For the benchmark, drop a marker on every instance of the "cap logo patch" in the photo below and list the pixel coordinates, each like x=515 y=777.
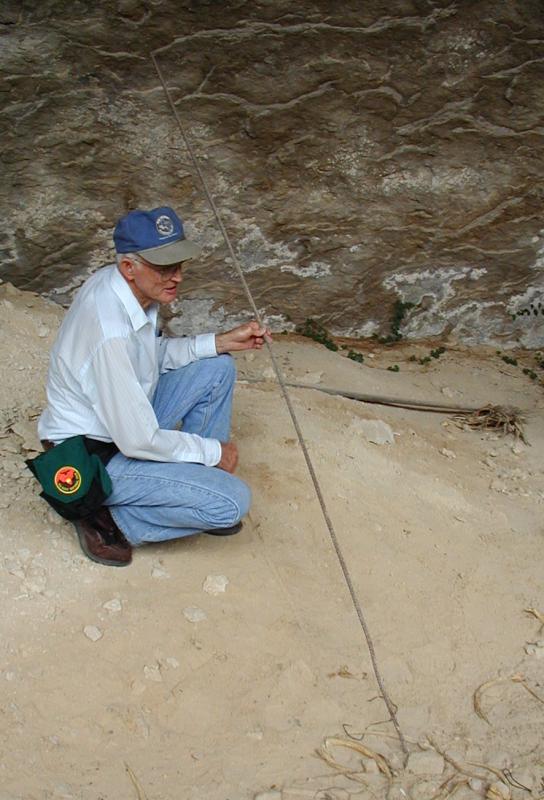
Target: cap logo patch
x=164 y=225
x=67 y=480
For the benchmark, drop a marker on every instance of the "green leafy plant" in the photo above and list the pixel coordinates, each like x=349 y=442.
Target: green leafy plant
x=427 y=359
x=438 y=352
x=356 y=356
x=510 y=360
x=399 y=312
x=531 y=373
x=314 y=330
x=394 y=368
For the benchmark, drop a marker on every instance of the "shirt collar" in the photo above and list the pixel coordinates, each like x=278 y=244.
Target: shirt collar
x=138 y=315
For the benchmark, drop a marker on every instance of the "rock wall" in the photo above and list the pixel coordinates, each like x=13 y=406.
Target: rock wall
x=360 y=153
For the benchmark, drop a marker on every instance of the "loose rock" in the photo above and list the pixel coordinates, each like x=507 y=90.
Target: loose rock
x=153 y=673
x=113 y=605
x=447 y=453
x=194 y=614
x=535 y=649
x=215 y=584
x=92 y=632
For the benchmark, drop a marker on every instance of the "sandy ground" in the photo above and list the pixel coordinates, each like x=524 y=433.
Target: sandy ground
x=110 y=688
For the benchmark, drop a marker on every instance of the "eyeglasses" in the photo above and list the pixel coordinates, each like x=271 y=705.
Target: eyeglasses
x=165 y=273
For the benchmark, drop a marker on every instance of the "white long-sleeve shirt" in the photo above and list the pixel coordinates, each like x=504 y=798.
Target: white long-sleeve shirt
x=104 y=369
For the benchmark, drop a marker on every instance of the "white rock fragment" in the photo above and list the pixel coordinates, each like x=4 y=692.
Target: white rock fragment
x=535 y=649
x=477 y=785
x=172 y=662
x=446 y=391
x=268 y=374
x=215 y=584
x=518 y=448
x=92 y=632
x=249 y=356
x=158 y=571
x=113 y=605
x=194 y=614
x=447 y=453
x=271 y=795
x=152 y=673
x=426 y=763
x=375 y=431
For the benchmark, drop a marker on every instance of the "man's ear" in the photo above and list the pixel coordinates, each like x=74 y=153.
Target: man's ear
x=126 y=268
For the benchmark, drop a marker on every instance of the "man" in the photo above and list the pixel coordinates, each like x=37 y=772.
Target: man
x=155 y=409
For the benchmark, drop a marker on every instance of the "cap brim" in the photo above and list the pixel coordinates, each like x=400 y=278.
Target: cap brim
x=173 y=253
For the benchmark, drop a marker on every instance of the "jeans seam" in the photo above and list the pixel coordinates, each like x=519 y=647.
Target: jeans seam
x=157 y=480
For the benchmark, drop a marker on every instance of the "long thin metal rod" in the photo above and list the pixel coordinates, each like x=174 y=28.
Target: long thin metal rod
x=390 y=706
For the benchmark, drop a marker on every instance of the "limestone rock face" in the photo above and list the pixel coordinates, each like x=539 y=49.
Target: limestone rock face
x=360 y=154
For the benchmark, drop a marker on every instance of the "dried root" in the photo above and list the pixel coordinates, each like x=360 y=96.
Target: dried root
x=534 y=612
x=502 y=419
x=324 y=752
x=478 y=694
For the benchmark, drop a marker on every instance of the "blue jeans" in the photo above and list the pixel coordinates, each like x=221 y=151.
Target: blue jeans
x=153 y=501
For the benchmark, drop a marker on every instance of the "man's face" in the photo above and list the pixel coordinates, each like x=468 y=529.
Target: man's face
x=150 y=283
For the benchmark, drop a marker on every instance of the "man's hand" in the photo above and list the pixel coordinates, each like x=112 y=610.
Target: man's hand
x=229 y=457
x=250 y=336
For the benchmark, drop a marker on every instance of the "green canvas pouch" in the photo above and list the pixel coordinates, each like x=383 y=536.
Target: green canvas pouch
x=74 y=482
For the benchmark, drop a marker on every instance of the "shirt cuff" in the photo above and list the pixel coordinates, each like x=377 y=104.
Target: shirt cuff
x=205 y=345
x=212 y=452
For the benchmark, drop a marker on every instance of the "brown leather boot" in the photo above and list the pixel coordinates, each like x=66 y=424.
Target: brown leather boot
x=102 y=541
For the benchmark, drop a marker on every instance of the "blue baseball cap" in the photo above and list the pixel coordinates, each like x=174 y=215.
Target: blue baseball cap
x=156 y=235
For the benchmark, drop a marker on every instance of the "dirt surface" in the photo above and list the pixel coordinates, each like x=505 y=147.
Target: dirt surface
x=112 y=690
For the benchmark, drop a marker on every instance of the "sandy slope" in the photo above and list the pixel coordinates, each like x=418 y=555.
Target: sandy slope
x=442 y=530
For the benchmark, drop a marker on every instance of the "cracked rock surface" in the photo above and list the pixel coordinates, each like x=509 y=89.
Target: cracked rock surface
x=360 y=153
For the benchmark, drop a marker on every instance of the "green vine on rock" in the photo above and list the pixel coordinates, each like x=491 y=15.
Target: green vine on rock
x=399 y=312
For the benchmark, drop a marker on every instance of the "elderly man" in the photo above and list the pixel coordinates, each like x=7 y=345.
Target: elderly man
x=155 y=409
